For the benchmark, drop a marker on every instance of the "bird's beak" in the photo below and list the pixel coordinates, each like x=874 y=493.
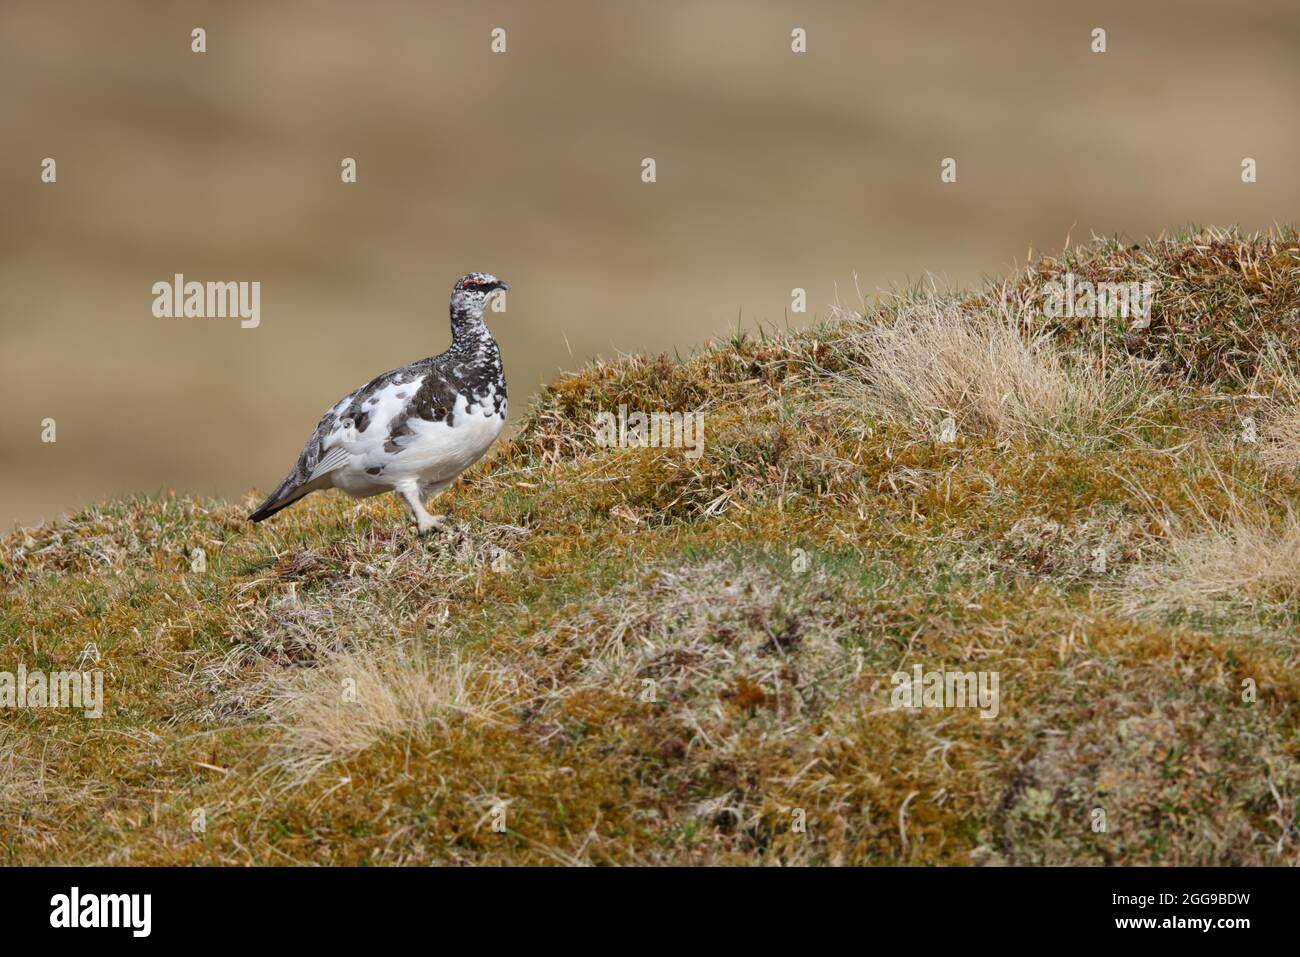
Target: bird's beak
x=502 y=285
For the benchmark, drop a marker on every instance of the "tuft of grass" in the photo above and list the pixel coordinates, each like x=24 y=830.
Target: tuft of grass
x=1224 y=306
x=1280 y=435
x=351 y=700
x=931 y=358
x=1248 y=560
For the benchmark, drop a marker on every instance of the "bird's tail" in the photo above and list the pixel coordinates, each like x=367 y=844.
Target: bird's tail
x=284 y=496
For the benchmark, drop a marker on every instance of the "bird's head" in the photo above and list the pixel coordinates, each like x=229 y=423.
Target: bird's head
x=472 y=291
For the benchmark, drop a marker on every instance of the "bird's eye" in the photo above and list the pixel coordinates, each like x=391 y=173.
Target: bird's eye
x=471 y=284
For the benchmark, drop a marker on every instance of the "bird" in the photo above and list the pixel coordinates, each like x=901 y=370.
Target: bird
x=412 y=430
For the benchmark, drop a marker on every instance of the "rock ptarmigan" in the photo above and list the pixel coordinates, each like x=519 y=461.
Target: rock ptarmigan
x=412 y=430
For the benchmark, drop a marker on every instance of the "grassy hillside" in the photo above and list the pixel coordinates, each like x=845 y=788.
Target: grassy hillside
x=635 y=656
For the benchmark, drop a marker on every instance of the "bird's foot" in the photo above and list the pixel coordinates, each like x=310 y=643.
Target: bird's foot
x=428 y=524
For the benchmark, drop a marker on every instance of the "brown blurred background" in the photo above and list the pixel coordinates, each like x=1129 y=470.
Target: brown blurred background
x=775 y=170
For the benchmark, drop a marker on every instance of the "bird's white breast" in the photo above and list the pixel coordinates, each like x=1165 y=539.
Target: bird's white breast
x=429 y=452
x=436 y=451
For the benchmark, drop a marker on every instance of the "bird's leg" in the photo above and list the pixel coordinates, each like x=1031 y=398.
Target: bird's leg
x=424 y=522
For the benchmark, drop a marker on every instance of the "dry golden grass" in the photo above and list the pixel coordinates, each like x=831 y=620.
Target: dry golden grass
x=351 y=700
x=22 y=776
x=1250 y=560
x=934 y=357
x=1279 y=436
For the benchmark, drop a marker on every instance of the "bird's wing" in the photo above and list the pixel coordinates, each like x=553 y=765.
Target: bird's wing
x=331 y=460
